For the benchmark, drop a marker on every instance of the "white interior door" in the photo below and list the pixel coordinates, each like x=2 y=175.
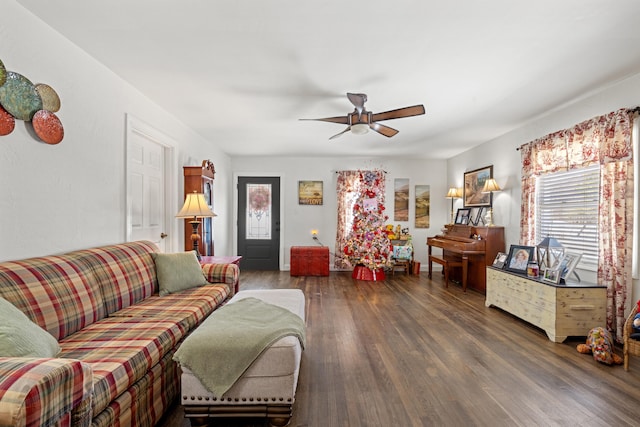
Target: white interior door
x=146 y=187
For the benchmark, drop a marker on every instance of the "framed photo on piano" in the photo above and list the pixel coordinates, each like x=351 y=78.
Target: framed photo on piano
x=476 y=216
x=463 y=216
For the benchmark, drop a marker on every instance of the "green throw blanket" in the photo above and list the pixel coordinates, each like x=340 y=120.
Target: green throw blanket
x=221 y=349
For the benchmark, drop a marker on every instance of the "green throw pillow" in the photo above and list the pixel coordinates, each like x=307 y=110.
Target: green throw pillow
x=20 y=337
x=177 y=272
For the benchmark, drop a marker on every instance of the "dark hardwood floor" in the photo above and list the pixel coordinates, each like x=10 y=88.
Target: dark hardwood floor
x=408 y=352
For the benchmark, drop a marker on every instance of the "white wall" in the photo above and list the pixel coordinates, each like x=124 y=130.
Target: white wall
x=502 y=154
x=299 y=220
x=72 y=195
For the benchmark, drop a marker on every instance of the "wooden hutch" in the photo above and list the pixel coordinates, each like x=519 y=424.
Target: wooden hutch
x=200 y=180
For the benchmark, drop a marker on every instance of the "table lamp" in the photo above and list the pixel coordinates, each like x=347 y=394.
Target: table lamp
x=453 y=193
x=491 y=186
x=195 y=206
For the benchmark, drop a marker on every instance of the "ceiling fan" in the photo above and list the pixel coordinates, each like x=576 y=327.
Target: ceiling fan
x=360 y=120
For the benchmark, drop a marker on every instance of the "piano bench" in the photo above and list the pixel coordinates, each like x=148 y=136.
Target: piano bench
x=447 y=264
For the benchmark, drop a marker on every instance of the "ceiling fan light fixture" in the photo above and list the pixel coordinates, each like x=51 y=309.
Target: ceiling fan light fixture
x=359 y=128
x=359 y=121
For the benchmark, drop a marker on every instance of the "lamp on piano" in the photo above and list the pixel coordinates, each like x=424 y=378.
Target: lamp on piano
x=491 y=186
x=453 y=193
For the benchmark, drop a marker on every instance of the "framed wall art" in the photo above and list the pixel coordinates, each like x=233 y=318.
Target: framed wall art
x=519 y=257
x=309 y=192
x=422 y=204
x=401 y=199
x=473 y=184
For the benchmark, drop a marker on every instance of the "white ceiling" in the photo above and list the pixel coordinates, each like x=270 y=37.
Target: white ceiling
x=242 y=72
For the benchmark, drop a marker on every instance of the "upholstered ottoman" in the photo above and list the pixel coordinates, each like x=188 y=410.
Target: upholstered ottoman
x=267 y=388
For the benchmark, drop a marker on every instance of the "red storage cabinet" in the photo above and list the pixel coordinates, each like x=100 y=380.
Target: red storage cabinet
x=309 y=261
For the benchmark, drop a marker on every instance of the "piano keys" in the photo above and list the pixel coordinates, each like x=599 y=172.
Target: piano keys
x=472 y=247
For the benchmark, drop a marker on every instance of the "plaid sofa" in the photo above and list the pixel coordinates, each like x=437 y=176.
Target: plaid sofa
x=116 y=334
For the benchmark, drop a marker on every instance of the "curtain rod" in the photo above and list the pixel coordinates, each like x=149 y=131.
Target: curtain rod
x=355 y=171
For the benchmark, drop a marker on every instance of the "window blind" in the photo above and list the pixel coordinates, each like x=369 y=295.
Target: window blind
x=567 y=209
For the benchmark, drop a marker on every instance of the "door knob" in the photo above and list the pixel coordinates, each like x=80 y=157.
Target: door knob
x=163 y=235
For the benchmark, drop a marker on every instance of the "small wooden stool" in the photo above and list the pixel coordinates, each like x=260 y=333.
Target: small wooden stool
x=402 y=255
x=405 y=264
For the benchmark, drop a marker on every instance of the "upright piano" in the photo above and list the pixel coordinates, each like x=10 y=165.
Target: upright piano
x=471 y=247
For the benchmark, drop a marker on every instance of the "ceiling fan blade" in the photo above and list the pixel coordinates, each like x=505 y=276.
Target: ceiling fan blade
x=382 y=129
x=415 y=110
x=340 y=134
x=339 y=119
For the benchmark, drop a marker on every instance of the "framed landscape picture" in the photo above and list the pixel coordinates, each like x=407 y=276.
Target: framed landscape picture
x=473 y=184
x=422 y=204
x=401 y=199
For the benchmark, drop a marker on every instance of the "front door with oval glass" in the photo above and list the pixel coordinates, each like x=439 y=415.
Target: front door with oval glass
x=259 y=222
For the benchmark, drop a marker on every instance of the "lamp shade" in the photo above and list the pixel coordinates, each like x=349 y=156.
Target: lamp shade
x=490 y=186
x=195 y=206
x=453 y=193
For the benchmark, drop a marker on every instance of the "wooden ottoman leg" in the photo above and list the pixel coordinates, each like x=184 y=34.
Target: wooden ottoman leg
x=199 y=421
x=279 y=422
x=279 y=415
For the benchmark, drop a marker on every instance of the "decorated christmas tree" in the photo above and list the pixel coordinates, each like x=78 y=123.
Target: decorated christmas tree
x=368 y=243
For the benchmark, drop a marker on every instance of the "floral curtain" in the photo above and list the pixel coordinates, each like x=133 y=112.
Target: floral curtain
x=360 y=237
x=347 y=189
x=605 y=140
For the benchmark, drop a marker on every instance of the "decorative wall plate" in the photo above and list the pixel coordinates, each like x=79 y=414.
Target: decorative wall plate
x=7 y=122
x=19 y=97
x=50 y=99
x=48 y=127
x=3 y=73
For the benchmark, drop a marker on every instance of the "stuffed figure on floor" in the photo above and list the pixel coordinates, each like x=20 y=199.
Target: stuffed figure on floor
x=600 y=344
